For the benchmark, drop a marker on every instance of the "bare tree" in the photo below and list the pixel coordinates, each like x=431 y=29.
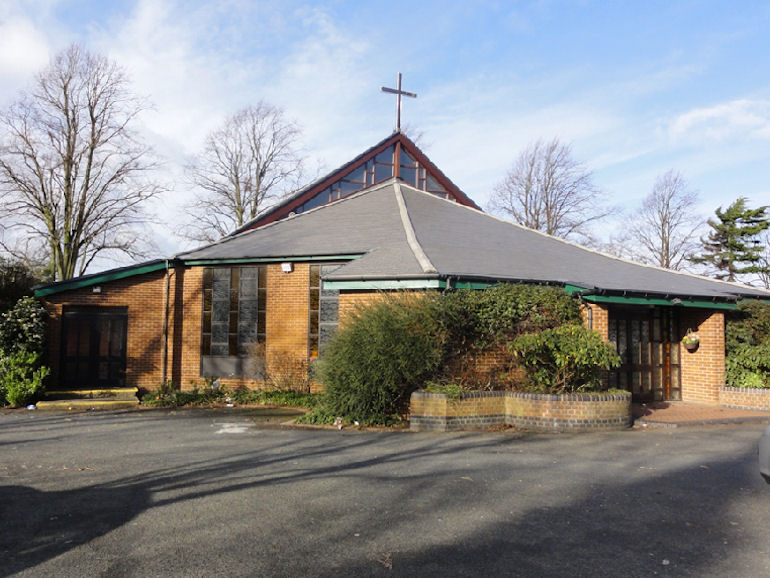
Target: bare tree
x=73 y=173
x=548 y=190
x=250 y=160
x=663 y=231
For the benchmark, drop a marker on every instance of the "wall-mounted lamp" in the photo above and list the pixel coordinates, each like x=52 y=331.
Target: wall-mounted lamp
x=287 y=267
x=96 y=289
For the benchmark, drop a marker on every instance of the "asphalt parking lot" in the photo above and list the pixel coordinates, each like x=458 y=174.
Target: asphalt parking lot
x=203 y=493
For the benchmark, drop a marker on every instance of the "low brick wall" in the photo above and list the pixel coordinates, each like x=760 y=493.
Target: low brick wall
x=569 y=412
x=744 y=398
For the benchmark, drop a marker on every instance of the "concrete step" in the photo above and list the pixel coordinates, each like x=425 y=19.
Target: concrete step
x=116 y=393
x=90 y=399
x=84 y=404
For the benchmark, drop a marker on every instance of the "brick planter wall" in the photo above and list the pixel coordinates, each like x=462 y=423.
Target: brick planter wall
x=569 y=412
x=744 y=398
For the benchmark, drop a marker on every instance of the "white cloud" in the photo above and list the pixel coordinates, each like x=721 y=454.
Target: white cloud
x=737 y=119
x=23 y=51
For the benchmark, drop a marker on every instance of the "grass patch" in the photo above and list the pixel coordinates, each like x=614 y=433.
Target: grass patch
x=168 y=396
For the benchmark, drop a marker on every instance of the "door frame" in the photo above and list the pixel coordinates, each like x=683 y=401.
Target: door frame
x=647 y=340
x=81 y=369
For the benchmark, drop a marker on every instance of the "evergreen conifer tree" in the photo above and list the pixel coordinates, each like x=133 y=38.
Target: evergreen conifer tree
x=733 y=247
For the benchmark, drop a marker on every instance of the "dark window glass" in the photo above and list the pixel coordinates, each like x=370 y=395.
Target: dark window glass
x=358 y=175
x=324 y=310
x=320 y=199
x=385 y=156
x=433 y=185
x=233 y=309
x=409 y=175
x=382 y=172
x=348 y=188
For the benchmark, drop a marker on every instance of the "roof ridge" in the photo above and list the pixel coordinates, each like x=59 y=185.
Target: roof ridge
x=411 y=237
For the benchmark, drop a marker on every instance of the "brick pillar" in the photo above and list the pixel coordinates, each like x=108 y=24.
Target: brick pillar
x=288 y=316
x=185 y=325
x=703 y=370
x=600 y=318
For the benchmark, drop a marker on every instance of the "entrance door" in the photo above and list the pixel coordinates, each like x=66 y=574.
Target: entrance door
x=94 y=347
x=649 y=353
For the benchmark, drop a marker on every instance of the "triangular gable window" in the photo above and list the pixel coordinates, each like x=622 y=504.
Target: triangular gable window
x=376 y=170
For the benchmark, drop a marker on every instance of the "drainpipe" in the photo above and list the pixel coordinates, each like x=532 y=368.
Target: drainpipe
x=165 y=324
x=590 y=312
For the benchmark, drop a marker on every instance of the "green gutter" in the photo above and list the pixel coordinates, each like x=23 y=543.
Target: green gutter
x=670 y=302
x=151 y=267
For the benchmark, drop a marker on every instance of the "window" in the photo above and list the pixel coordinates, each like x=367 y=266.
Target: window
x=234 y=316
x=324 y=310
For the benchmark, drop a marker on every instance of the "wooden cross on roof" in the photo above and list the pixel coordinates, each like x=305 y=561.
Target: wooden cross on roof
x=399 y=93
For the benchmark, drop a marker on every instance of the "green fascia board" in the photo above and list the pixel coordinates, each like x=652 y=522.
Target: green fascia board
x=669 y=302
x=97 y=278
x=241 y=261
x=384 y=284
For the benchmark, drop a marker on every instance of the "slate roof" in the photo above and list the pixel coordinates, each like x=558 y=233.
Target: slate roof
x=401 y=233
x=290 y=203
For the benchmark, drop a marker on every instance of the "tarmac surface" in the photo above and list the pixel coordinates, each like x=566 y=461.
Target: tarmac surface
x=214 y=493
x=681 y=413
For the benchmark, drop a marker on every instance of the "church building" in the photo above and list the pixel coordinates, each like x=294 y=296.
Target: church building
x=276 y=289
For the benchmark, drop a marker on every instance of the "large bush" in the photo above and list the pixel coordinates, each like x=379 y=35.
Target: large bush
x=22 y=340
x=392 y=347
x=569 y=358
x=384 y=352
x=747 y=346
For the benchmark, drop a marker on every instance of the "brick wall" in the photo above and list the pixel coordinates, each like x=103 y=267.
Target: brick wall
x=570 y=412
x=288 y=317
x=350 y=301
x=703 y=370
x=600 y=318
x=185 y=323
x=744 y=398
x=144 y=296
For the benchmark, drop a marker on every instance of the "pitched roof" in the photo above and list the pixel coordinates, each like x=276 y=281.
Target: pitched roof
x=294 y=202
x=399 y=232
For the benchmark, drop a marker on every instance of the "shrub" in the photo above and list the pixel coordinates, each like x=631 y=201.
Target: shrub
x=383 y=353
x=22 y=340
x=747 y=346
x=569 y=358
x=21 y=377
x=748 y=365
x=451 y=390
x=22 y=328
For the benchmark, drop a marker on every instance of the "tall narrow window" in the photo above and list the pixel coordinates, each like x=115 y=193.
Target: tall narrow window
x=234 y=314
x=324 y=310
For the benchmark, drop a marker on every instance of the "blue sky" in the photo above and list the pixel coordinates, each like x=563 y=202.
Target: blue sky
x=637 y=87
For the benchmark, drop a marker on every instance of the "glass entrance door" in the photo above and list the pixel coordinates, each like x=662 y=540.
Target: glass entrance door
x=93 y=347
x=649 y=351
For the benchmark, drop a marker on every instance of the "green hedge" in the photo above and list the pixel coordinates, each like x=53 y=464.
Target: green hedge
x=390 y=348
x=747 y=346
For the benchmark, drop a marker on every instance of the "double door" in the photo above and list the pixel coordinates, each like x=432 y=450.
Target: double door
x=646 y=340
x=94 y=347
